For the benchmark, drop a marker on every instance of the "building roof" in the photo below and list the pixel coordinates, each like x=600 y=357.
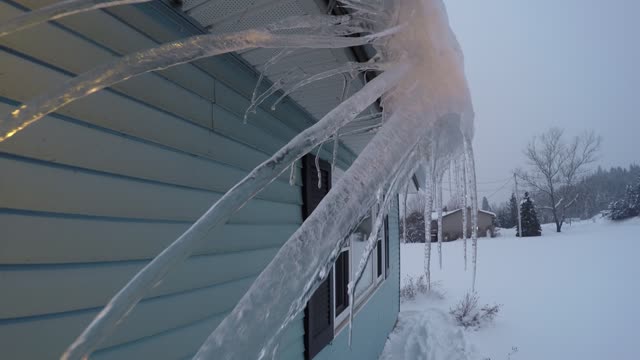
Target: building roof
x=434 y=215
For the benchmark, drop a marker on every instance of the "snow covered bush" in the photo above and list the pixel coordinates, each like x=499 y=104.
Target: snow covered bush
x=628 y=206
x=467 y=314
x=415 y=218
x=413 y=288
x=415 y=227
x=514 y=350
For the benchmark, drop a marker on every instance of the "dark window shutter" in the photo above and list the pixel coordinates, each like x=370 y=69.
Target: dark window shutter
x=318 y=315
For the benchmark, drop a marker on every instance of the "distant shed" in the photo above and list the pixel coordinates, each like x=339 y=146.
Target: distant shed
x=452 y=224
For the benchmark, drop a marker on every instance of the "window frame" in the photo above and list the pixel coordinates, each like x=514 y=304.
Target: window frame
x=341 y=318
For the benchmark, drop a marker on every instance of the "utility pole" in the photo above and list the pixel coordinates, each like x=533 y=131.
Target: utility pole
x=515 y=178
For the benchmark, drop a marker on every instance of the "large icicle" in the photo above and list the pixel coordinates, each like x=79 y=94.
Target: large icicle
x=465 y=207
x=404 y=211
x=334 y=152
x=473 y=192
x=168 y=55
x=275 y=87
x=407 y=167
x=346 y=68
x=222 y=210
x=317 y=162
x=283 y=288
x=277 y=57
x=438 y=186
x=57 y=11
x=428 y=209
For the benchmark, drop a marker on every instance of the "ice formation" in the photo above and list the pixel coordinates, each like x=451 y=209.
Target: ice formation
x=426 y=119
x=57 y=11
x=465 y=206
x=438 y=186
x=473 y=195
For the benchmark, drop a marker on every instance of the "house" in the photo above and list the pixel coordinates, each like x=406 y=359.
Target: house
x=93 y=192
x=452 y=224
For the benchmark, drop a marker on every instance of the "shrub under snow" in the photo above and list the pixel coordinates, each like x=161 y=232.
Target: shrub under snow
x=412 y=288
x=467 y=314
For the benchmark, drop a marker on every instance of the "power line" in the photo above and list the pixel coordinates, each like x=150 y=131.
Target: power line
x=500 y=188
x=494 y=181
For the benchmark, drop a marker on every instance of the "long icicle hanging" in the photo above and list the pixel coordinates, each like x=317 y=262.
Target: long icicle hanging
x=382 y=205
x=57 y=11
x=457 y=192
x=438 y=185
x=428 y=208
x=465 y=208
x=371 y=239
x=334 y=152
x=404 y=211
x=346 y=68
x=292 y=175
x=169 y=55
x=473 y=192
x=276 y=86
x=317 y=163
x=254 y=95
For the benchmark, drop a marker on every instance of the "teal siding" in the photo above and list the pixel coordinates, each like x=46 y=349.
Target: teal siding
x=91 y=193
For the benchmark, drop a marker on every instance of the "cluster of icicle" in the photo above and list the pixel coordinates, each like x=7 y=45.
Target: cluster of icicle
x=463 y=194
x=426 y=120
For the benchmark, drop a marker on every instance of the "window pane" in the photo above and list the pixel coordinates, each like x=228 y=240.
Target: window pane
x=342 y=280
x=358 y=244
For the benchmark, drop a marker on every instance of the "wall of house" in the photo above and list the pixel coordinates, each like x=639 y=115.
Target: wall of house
x=375 y=320
x=452 y=224
x=90 y=194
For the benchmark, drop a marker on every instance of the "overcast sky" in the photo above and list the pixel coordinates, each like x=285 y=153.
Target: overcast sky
x=533 y=64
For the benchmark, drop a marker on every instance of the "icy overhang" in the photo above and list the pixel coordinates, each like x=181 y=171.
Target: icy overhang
x=221 y=16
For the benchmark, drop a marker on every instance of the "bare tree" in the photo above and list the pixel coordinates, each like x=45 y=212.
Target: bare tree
x=556 y=165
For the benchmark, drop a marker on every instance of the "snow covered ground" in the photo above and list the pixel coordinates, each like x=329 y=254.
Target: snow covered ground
x=573 y=295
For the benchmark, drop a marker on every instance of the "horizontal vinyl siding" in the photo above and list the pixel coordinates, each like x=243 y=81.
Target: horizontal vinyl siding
x=31 y=237
x=90 y=194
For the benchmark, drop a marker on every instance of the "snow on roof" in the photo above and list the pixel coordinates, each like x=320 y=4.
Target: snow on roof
x=487 y=212
x=434 y=215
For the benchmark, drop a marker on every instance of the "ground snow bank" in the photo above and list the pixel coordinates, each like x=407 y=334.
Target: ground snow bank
x=426 y=335
x=569 y=295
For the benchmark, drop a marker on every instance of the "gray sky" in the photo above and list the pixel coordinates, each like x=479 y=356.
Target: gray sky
x=533 y=64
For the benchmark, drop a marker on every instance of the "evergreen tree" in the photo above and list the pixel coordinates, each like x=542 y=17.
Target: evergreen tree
x=485 y=204
x=628 y=206
x=530 y=224
x=507 y=214
x=415 y=227
x=513 y=211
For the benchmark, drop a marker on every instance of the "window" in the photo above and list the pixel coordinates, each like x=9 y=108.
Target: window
x=374 y=272
x=328 y=308
x=341 y=271
x=358 y=244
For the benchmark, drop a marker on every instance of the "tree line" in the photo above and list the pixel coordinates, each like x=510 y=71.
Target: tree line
x=561 y=183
